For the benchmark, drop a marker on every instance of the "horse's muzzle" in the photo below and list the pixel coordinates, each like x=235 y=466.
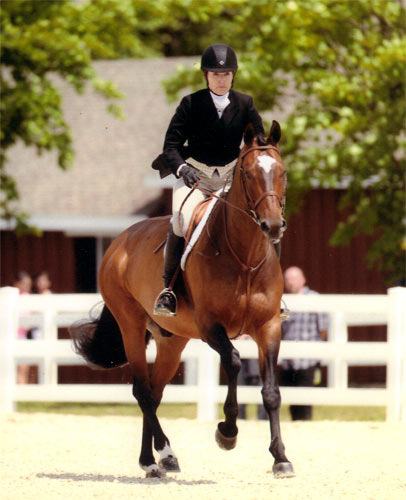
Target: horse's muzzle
x=273 y=230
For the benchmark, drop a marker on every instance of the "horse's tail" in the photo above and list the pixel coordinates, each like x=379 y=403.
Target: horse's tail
x=99 y=341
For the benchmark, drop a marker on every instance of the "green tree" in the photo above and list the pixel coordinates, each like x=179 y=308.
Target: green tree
x=343 y=61
x=44 y=40
x=41 y=40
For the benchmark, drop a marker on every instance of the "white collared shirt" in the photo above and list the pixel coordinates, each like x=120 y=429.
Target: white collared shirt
x=220 y=102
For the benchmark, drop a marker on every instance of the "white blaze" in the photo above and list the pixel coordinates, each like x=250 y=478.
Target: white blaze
x=266 y=162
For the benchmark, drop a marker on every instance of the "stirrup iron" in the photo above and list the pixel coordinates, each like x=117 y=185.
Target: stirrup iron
x=162 y=311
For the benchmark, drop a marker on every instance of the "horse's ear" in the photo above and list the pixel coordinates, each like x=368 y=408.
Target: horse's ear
x=275 y=133
x=249 y=134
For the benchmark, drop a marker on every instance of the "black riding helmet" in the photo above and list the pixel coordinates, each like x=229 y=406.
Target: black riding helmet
x=219 y=58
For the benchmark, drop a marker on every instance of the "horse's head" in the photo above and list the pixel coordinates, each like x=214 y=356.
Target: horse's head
x=263 y=180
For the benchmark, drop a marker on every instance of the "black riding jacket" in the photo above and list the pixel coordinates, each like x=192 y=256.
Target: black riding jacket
x=210 y=139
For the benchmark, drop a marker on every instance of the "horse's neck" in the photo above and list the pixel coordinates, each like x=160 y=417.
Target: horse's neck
x=244 y=236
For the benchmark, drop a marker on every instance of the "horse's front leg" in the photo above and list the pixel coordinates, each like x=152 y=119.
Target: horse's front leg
x=268 y=349
x=226 y=434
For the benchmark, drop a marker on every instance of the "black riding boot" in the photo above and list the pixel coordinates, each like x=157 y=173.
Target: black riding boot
x=285 y=313
x=166 y=302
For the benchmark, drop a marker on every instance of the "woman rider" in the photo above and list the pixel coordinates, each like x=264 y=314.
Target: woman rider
x=212 y=122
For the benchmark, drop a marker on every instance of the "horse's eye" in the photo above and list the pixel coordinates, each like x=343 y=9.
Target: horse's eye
x=248 y=175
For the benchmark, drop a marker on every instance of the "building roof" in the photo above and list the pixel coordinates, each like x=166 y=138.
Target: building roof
x=112 y=157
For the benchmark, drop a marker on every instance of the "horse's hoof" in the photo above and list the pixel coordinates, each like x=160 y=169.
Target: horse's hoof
x=224 y=442
x=283 y=469
x=156 y=473
x=169 y=464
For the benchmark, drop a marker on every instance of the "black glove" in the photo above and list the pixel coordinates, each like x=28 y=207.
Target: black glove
x=190 y=175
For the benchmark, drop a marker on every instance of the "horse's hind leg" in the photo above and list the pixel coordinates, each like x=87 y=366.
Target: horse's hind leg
x=168 y=461
x=166 y=363
x=132 y=321
x=226 y=433
x=169 y=350
x=268 y=359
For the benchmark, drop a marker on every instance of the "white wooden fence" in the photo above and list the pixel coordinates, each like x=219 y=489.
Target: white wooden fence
x=53 y=311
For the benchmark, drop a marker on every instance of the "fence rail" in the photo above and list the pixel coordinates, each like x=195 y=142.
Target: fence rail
x=202 y=364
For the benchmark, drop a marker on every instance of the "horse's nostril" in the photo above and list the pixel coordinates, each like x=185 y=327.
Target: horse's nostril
x=265 y=227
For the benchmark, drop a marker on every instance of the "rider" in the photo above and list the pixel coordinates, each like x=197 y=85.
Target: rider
x=212 y=122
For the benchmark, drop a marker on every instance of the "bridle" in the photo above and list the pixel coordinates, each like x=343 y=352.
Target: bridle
x=253 y=204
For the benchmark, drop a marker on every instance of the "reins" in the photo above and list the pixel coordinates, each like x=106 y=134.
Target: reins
x=242 y=264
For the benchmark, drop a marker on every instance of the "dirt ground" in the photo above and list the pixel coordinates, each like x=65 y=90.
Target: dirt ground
x=45 y=456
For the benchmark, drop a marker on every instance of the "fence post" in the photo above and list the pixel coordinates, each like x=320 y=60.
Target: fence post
x=207 y=383
x=337 y=369
x=49 y=370
x=8 y=332
x=396 y=371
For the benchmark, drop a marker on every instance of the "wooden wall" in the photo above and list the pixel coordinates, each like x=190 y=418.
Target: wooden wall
x=328 y=269
x=53 y=252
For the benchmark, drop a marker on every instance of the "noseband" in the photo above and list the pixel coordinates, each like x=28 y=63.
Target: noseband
x=253 y=204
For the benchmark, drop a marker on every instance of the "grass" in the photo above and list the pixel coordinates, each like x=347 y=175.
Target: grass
x=340 y=413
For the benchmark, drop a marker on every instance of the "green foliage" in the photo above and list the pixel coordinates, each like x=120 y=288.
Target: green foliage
x=343 y=64
x=39 y=42
x=44 y=40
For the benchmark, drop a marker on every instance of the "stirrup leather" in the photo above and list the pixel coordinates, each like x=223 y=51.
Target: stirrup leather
x=160 y=309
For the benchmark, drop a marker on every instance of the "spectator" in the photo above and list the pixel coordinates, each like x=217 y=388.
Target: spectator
x=23 y=282
x=301 y=327
x=42 y=283
x=42 y=286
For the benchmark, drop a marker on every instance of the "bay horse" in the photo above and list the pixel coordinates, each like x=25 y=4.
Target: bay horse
x=232 y=284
